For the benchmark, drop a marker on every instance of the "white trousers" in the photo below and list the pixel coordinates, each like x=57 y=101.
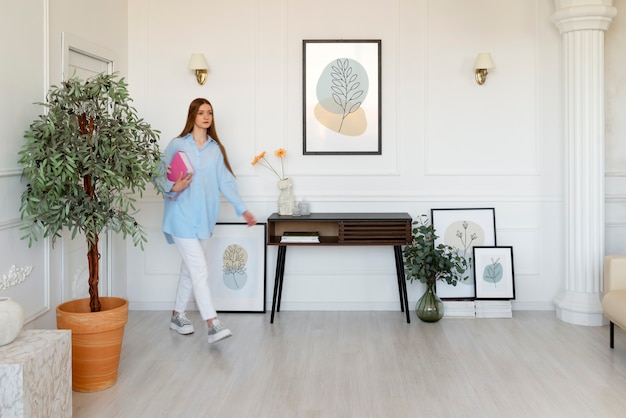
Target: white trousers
x=194 y=277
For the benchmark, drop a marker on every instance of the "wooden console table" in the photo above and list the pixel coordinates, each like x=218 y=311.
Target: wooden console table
x=342 y=229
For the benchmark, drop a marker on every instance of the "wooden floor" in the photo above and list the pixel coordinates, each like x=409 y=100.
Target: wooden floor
x=365 y=364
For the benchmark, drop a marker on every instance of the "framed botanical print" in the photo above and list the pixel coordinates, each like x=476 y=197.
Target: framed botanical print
x=463 y=229
x=341 y=96
x=493 y=272
x=237 y=260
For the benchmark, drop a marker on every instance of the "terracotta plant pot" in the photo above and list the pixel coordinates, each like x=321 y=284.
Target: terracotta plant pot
x=96 y=341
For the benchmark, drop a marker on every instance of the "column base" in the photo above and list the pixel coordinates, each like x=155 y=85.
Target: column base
x=580 y=308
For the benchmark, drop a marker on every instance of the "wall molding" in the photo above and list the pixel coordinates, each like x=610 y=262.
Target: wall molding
x=615 y=224
x=14 y=172
x=10 y=224
x=399 y=196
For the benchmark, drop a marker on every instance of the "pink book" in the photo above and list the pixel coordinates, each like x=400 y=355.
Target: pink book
x=180 y=164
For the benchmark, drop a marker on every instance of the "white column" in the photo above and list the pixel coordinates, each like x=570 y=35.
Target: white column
x=582 y=24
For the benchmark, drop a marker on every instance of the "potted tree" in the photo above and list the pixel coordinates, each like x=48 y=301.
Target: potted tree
x=85 y=160
x=428 y=263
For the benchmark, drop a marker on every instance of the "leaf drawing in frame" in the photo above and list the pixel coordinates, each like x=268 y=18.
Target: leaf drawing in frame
x=345 y=85
x=234 y=261
x=463 y=234
x=493 y=272
x=341 y=89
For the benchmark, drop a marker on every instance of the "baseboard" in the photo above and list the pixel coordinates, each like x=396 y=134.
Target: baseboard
x=453 y=309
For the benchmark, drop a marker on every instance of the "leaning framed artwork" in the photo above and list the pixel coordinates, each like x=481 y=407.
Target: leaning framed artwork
x=341 y=97
x=463 y=229
x=493 y=272
x=237 y=260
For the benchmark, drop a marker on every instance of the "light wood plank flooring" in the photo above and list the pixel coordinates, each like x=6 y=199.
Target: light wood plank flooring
x=365 y=364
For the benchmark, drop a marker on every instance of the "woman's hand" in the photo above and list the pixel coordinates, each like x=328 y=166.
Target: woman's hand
x=182 y=183
x=249 y=217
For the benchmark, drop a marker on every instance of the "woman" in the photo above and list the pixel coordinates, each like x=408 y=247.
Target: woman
x=192 y=205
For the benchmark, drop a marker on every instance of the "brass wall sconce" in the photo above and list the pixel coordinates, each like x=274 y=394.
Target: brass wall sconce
x=198 y=64
x=482 y=64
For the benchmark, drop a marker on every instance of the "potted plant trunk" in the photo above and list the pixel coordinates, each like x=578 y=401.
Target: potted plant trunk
x=85 y=160
x=428 y=263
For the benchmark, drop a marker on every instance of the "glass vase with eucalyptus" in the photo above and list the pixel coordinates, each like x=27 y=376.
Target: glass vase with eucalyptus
x=426 y=262
x=429 y=308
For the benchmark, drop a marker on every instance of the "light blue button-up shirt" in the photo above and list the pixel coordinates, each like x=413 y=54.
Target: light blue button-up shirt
x=193 y=212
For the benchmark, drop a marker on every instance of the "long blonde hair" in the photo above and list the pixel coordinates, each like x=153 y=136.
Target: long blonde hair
x=191 y=118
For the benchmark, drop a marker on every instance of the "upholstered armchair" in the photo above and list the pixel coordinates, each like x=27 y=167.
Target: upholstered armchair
x=614 y=299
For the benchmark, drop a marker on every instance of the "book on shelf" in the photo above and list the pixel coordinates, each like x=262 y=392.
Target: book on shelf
x=180 y=164
x=300 y=237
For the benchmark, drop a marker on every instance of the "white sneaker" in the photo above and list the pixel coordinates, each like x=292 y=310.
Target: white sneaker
x=217 y=332
x=181 y=324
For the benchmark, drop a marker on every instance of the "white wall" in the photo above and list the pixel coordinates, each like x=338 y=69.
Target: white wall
x=32 y=52
x=615 y=43
x=446 y=141
x=21 y=84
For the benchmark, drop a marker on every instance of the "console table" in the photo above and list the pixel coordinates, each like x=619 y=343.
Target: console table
x=342 y=229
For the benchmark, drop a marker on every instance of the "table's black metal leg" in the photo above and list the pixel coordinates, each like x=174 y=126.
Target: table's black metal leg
x=282 y=277
x=278 y=280
x=406 y=301
x=395 y=250
x=402 y=281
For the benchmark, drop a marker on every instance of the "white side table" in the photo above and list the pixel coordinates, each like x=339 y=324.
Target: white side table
x=36 y=375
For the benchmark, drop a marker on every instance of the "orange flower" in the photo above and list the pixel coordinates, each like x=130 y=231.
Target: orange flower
x=261 y=160
x=258 y=158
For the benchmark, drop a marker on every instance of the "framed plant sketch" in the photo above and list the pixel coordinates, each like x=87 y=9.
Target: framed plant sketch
x=493 y=272
x=341 y=96
x=463 y=229
x=237 y=260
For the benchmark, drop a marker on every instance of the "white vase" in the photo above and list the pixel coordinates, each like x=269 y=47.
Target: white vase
x=11 y=320
x=285 y=199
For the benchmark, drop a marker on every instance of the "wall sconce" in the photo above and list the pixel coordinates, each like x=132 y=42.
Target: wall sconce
x=482 y=64
x=198 y=64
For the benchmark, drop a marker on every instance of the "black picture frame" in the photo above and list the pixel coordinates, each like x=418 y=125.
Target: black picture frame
x=463 y=228
x=341 y=97
x=237 y=255
x=494 y=274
